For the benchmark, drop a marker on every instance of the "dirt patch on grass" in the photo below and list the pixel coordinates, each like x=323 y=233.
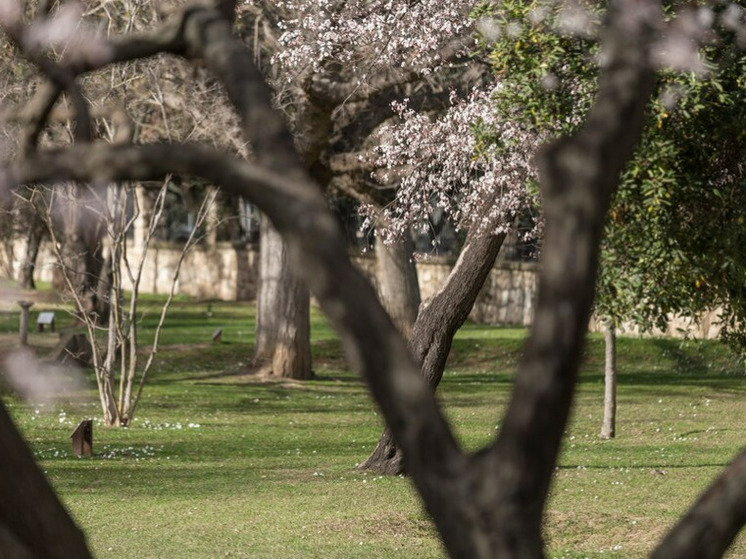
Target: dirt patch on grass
x=40 y=344
x=380 y=526
x=250 y=375
x=601 y=532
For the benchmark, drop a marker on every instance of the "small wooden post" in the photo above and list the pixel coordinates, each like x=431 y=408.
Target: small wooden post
x=83 y=438
x=25 y=306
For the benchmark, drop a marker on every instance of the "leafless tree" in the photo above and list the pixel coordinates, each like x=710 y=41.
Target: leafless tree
x=115 y=347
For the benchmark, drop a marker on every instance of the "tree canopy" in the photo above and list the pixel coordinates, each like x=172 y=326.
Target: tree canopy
x=670 y=246
x=485 y=504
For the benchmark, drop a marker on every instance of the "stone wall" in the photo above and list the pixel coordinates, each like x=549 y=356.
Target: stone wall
x=507 y=296
x=227 y=272
x=223 y=271
x=707 y=327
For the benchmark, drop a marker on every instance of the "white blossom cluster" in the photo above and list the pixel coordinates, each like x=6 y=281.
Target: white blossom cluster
x=64 y=32
x=364 y=35
x=442 y=164
x=679 y=47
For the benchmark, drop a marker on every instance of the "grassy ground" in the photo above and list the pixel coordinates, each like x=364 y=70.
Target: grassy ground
x=219 y=464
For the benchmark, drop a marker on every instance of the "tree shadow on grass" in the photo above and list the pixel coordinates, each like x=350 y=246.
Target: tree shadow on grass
x=643 y=465
x=666 y=383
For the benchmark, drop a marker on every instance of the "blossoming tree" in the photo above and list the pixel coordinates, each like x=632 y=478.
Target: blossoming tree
x=367 y=92
x=487 y=504
x=336 y=68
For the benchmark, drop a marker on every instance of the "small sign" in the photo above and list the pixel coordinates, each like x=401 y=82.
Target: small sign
x=217 y=335
x=83 y=438
x=45 y=319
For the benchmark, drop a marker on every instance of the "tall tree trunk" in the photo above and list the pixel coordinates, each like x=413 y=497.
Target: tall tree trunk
x=283 y=322
x=33 y=243
x=437 y=323
x=82 y=258
x=143 y=217
x=283 y=330
x=398 y=287
x=608 y=428
x=212 y=221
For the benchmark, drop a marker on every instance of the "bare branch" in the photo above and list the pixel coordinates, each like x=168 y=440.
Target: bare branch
x=62 y=79
x=349 y=186
x=190 y=242
x=35 y=114
x=102 y=162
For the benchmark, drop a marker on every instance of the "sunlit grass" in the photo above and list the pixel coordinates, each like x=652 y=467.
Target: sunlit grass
x=219 y=465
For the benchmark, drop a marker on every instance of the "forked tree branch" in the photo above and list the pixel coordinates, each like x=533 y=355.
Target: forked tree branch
x=35 y=114
x=62 y=78
x=578 y=175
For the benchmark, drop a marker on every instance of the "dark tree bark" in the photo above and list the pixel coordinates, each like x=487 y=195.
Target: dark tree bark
x=283 y=321
x=34 y=237
x=437 y=323
x=283 y=336
x=33 y=522
x=578 y=175
x=398 y=287
x=608 y=427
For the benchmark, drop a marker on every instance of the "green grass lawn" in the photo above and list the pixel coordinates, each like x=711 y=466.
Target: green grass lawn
x=218 y=464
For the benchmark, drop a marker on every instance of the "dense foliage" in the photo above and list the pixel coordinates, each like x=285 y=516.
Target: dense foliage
x=672 y=241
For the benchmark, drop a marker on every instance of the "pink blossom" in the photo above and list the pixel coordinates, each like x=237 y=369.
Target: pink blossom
x=364 y=36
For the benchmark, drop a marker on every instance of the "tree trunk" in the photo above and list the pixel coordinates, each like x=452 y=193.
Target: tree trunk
x=143 y=217
x=282 y=322
x=292 y=354
x=398 y=287
x=82 y=259
x=33 y=243
x=212 y=221
x=33 y=522
x=608 y=428
x=437 y=323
